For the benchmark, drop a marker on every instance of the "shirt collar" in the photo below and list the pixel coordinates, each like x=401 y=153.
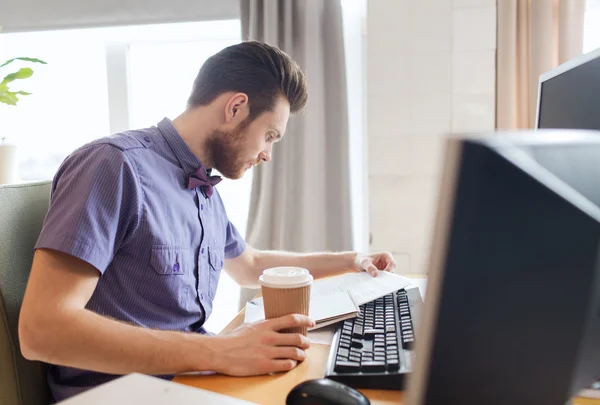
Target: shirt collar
x=187 y=160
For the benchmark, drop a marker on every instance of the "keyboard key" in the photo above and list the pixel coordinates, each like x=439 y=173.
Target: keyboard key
x=345 y=345
x=347 y=367
x=390 y=328
x=379 y=358
x=372 y=366
x=358 y=331
x=343 y=352
x=356 y=343
x=354 y=359
x=393 y=365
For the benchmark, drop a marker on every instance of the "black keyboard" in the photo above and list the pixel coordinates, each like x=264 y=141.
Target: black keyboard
x=375 y=349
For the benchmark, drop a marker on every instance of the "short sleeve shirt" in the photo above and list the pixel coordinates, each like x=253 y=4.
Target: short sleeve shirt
x=122 y=204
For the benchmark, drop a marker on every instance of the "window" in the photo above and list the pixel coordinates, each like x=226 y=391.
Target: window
x=69 y=104
x=102 y=80
x=591 y=31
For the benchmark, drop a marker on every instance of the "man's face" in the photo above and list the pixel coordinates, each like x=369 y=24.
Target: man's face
x=250 y=142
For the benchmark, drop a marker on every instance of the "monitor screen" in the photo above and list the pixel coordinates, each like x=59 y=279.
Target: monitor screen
x=512 y=312
x=571 y=98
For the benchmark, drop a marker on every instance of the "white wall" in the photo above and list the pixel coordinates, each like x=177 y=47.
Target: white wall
x=430 y=72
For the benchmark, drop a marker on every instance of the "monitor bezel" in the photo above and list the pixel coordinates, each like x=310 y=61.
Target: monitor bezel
x=565 y=67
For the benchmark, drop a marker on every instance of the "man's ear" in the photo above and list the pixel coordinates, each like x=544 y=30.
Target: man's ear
x=236 y=109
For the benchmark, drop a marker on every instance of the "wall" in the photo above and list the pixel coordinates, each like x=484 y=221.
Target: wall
x=430 y=71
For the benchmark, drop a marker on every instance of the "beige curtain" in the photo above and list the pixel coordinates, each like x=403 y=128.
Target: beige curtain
x=301 y=199
x=534 y=36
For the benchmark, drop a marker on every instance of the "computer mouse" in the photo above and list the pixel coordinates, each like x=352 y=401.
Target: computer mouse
x=325 y=392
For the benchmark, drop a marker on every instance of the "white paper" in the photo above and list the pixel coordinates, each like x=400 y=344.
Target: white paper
x=363 y=287
x=138 y=388
x=337 y=298
x=324 y=309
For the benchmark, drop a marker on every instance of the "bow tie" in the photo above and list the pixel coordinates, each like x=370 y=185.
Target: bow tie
x=201 y=179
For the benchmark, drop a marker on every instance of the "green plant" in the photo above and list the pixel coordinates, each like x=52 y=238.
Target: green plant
x=8 y=96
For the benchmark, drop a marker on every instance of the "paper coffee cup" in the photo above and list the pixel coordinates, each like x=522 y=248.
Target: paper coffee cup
x=286 y=290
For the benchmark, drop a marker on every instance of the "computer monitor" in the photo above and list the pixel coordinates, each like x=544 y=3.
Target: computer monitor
x=569 y=96
x=512 y=311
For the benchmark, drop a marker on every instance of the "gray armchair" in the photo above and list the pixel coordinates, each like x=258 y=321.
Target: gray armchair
x=22 y=211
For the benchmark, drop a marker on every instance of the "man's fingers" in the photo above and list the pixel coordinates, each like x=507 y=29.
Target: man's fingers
x=290 y=321
x=292 y=353
x=368 y=266
x=291 y=339
x=391 y=263
x=281 y=365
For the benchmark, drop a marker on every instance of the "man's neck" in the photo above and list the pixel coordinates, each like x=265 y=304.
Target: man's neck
x=195 y=126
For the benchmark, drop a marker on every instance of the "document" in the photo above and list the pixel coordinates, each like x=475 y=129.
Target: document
x=337 y=298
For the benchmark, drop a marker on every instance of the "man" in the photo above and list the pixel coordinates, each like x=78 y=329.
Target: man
x=128 y=260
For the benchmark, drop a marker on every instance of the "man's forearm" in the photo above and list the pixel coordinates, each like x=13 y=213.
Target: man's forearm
x=86 y=340
x=319 y=264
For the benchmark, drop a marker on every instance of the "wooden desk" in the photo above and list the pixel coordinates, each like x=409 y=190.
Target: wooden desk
x=273 y=389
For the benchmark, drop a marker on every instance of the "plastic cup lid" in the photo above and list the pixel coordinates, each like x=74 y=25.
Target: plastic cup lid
x=285 y=277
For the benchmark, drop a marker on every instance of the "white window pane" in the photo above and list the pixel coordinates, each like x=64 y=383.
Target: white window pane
x=591 y=32
x=161 y=76
x=68 y=106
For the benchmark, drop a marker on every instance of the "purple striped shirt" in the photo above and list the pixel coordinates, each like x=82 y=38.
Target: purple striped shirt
x=121 y=204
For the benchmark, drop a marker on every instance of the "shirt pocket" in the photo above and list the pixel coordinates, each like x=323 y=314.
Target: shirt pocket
x=215 y=260
x=166 y=260
x=170 y=278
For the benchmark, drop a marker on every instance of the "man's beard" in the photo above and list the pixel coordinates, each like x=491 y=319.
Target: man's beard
x=227 y=151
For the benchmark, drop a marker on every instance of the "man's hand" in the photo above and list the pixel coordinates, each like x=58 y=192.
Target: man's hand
x=258 y=348
x=375 y=261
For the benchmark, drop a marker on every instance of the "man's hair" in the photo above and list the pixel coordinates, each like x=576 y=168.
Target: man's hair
x=261 y=71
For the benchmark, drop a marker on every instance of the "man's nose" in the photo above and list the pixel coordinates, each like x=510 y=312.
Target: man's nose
x=265 y=156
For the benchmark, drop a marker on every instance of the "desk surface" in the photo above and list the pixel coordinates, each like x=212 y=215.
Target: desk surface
x=273 y=389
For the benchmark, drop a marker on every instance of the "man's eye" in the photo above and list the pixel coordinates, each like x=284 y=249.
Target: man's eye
x=269 y=138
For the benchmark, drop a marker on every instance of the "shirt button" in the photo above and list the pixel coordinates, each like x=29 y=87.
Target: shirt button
x=202 y=296
x=147 y=138
x=201 y=206
x=202 y=251
x=176 y=267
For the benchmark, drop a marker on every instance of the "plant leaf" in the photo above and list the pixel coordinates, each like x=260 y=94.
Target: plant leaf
x=33 y=60
x=22 y=73
x=8 y=98
x=24 y=93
